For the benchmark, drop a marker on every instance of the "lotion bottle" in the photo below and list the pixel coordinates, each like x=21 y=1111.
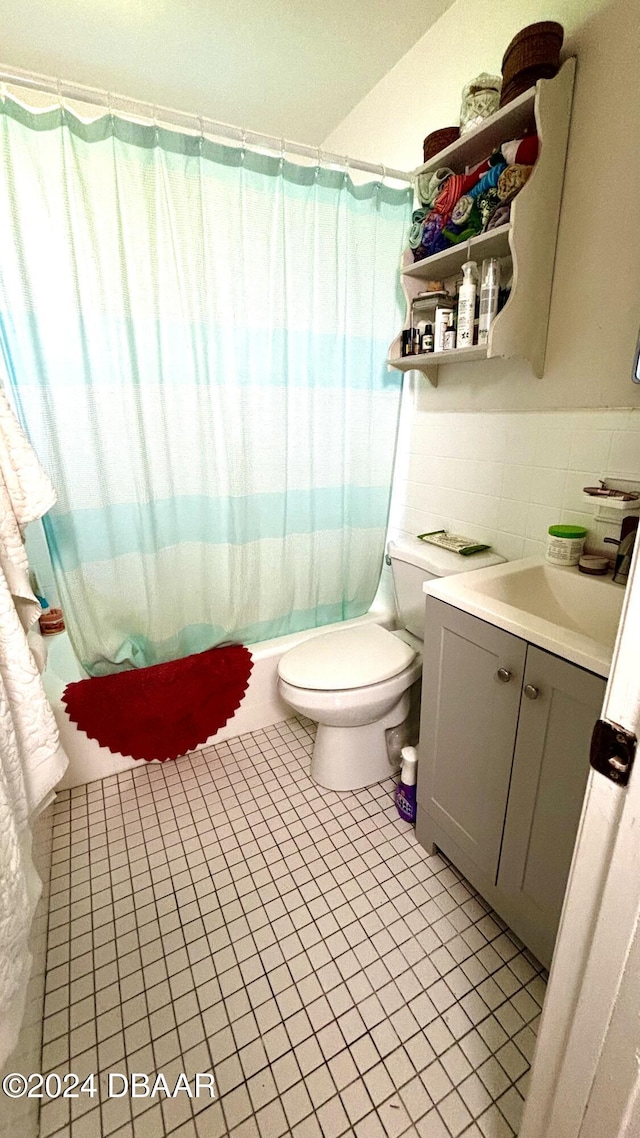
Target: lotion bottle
x=467 y=305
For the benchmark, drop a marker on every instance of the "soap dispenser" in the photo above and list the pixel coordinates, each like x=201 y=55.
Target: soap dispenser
x=467 y=305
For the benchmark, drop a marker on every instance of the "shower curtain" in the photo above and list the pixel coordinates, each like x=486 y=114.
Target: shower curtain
x=194 y=336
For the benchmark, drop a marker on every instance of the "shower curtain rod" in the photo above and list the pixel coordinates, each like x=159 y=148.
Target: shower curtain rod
x=181 y=119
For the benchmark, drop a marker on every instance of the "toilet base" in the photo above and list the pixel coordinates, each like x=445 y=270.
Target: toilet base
x=350 y=758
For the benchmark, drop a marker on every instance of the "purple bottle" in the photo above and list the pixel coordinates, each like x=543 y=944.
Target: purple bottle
x=406 y=788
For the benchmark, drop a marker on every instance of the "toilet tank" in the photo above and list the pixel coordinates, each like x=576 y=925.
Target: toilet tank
x=413 y=562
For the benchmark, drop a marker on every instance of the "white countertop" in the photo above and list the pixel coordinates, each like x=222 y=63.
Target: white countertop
x=566 y=612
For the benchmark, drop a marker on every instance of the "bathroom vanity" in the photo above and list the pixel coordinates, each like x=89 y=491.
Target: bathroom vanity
x=509 y=701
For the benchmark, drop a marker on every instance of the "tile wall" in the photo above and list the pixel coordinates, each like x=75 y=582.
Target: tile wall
x=505 y=477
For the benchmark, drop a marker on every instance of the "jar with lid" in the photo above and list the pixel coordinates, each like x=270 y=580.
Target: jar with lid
x=565 y=544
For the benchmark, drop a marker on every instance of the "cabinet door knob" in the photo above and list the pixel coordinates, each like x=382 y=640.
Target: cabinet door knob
x=504 y=675
x=531 y=692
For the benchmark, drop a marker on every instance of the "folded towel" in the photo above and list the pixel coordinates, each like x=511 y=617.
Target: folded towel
x=511 y=181
x=432 y=240
x=500 y=216
x=428 y=186
x=521 y=150
x=462 y=209
x=415 y=233
x=489 y=179
x=487 y=203
x=472 y=225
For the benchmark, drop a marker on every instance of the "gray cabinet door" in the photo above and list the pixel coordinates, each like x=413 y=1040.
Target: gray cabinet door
x=550 y=769
x=467 y=732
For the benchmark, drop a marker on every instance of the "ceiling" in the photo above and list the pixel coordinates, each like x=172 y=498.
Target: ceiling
x=292 y=68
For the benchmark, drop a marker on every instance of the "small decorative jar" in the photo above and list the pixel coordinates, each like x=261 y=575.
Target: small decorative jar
x=565 y=544
x=480 y=98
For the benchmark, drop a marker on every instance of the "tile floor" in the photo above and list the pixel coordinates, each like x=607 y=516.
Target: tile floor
x=224 y=913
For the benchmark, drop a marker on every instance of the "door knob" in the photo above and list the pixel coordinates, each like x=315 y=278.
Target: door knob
x=531 y=692
x=504 y=675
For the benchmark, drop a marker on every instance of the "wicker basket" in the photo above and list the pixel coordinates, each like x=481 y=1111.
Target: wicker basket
x=533 y=54
x=438 y=140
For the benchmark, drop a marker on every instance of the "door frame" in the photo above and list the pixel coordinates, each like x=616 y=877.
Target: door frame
x=600 y=925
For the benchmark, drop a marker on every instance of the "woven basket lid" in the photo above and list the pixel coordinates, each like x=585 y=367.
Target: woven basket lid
x=536 y=43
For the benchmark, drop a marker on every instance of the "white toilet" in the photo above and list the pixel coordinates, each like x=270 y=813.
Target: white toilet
x=355 y=682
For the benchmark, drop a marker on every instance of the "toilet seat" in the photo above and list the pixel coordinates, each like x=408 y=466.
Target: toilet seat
x=349 y=658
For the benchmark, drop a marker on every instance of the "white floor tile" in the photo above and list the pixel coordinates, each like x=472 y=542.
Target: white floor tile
x=225 y=914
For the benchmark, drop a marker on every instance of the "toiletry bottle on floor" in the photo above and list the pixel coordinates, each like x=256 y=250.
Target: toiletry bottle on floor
x=406 y=789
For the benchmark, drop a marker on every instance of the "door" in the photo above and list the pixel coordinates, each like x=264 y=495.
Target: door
x=560 y=704
x=472 y=676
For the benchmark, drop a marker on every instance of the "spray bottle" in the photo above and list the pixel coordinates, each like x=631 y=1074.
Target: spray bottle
x=406 y=789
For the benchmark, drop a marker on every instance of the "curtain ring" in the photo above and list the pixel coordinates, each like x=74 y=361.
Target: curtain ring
x=318 y=162
x=156 y=128
x=201 y=138
x=282 y=150
x=243 y=143
x=346 y=167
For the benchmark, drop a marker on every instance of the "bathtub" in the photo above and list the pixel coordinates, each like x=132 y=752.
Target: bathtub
x=260 y=707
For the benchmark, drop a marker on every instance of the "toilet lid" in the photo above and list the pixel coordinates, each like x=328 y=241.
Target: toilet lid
x=348 y=658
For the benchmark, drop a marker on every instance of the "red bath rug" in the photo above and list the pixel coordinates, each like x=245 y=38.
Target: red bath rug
x=163 y=711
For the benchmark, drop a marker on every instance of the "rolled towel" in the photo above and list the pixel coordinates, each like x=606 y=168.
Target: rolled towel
x=500 y=216
x=415 y=233
x=428 y=186
x=487 y=203
x=449 y=194
x=462 y=210
x=521 y=150
x=432 y=239
x=512 y=180
x=454 y=233
x=488 y=180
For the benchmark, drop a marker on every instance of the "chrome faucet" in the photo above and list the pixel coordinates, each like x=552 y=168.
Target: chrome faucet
x=625 y=545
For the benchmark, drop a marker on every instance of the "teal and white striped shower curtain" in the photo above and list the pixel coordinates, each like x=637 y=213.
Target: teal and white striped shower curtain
x=195 y=336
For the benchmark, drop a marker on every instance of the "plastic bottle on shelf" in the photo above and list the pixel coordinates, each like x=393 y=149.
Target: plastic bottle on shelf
x=466 y=305
x=489 y=289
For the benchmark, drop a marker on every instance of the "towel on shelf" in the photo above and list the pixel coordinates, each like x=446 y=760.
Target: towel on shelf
x=415 y=233
x=511 y=181
x=432 y=240
x=455 y=234
x=428 y=186
x=521 y=150
x=500 y=216
x=489 y=179
x=462 y=210
x=31 y=759
x=488 y=202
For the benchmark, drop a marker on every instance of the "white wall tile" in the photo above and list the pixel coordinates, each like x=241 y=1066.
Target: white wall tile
x=624 y=457
x=504 y=478
x=589 y=449
x=548 y=486
x=516 y=483
x=512 y=516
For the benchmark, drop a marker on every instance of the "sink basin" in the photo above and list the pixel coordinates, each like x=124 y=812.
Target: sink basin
x=562 y=610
